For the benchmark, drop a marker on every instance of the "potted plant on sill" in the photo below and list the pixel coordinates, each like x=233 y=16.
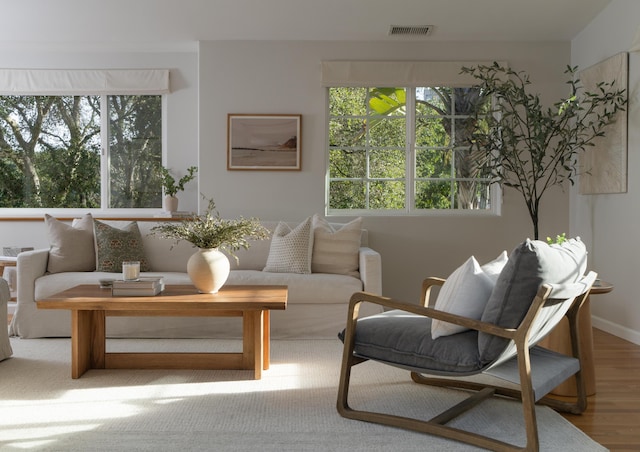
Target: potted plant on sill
x=171 y=187
x=209 y=267
x=523 y=145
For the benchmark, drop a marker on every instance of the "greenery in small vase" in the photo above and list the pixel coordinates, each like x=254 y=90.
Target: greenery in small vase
x=169 y=184
x=209 y=230
x=560 y=239
x=524 y=145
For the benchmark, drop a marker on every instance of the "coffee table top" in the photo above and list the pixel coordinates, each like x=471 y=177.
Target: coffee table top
x=174 y=297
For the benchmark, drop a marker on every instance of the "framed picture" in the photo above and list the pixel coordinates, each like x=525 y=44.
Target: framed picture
x=263 y=142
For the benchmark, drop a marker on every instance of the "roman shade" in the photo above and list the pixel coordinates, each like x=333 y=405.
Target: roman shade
x=78 y=82
x=398 y=73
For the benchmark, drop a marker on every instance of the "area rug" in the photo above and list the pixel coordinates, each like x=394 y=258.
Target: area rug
x=292 y=408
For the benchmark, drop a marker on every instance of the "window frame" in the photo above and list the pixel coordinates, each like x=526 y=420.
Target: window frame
x=495 y=191
x=89 y=82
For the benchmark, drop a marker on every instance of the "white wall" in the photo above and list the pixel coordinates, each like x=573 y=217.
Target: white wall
x=609 y=223
x=284 y=77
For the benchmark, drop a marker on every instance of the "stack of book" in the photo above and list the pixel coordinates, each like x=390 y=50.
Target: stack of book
x=142 y=287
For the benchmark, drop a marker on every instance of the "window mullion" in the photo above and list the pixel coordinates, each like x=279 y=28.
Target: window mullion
x=105 y=184
x=410 y=165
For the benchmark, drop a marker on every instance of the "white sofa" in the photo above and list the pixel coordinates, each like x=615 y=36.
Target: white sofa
x=317 y=302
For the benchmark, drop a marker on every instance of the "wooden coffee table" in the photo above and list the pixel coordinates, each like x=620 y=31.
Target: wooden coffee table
x=89 y=305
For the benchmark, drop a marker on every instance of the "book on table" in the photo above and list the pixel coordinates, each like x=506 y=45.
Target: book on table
x=142 y=287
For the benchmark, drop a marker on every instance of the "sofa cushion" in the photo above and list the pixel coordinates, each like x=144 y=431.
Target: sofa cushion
x=336 y=251
x=113 y=246
x=530 y=264
x=291 y=249
x=71 y=245
x=466 y=293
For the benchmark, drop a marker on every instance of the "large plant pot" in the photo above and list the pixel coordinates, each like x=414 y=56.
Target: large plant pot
x=170 y=203
x=208 y=270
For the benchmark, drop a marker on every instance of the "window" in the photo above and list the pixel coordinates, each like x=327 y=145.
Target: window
x=53 y=149
x=81 y=139
x=404 y=150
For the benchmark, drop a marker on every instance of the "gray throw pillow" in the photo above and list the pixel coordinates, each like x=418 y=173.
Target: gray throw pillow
x=530 y=264
x=71 y=245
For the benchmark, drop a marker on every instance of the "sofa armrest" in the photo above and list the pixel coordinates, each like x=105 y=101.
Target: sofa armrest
x=30 y=266
x=371 y=270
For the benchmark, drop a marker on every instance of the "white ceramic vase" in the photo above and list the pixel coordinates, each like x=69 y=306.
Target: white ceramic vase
x=208 y=270
x=170 y=203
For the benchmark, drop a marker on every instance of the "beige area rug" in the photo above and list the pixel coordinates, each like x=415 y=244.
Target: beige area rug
x=292 y=408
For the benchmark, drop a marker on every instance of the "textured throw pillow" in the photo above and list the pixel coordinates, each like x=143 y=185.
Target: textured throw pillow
x=530 y=264
x=290 y=250
x=465 y=292
x=115 y=245
x=494 y=268
x=71 y=246
x=336 y=251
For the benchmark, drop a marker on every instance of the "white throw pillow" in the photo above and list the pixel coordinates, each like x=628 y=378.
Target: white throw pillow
x=71 y=246
x=466 y=293
x=494 y=268
x=291 y=249
x=336 y=251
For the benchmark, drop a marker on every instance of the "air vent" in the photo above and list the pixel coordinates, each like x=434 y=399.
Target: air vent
x=410 y=30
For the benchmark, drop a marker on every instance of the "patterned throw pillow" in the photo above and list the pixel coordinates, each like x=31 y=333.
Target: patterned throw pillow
x=71 y=247
x=291 y=249
x=115 y=245
x=336 y=251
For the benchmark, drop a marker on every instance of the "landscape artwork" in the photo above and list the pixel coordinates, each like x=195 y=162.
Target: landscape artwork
x=263 y=142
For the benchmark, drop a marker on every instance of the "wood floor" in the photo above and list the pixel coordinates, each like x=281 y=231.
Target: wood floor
x=613 y=415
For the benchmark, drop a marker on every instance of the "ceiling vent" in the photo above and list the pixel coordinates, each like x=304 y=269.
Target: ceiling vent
x=410 y=30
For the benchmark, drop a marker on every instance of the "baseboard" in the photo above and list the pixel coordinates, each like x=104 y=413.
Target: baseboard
x=615 y=329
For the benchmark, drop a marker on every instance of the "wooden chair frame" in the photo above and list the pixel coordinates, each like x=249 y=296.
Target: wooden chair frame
x=437 y=425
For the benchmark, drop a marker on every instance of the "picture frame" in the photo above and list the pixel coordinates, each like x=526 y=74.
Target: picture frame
x=264 y=142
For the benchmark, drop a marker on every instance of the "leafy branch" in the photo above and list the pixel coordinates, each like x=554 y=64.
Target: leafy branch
x=171 y=187
x=529 y=147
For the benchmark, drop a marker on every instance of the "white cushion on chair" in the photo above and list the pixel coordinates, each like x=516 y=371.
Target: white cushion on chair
x=465 y=293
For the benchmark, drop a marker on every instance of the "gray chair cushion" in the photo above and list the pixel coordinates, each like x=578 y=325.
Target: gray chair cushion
x=530 y=264
x=404 y=340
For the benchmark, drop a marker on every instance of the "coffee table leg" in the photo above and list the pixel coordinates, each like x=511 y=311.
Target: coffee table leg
x=87 y=341
x=252 y=345
x=266 y=341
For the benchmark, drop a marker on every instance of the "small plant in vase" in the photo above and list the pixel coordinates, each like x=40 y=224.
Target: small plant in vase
x=171 y=187
x=209 y=267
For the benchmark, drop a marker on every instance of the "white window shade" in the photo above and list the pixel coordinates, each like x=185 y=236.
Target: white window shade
x=398 y=73
x=57 y=82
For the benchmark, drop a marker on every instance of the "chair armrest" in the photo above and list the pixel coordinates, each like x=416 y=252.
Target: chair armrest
x=370 y=270
x=30 y=266
x=427 y=284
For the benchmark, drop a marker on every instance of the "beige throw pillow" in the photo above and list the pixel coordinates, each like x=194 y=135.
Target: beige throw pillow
x=71 y=246
x=336 y=251
x=290 y=250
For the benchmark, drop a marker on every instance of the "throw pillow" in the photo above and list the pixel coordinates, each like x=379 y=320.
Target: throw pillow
x=291 y=249
x=530 y=264
x=336 y=251
x=115 y=245
x=465 y=292
x=494 y=268
x=71 y=246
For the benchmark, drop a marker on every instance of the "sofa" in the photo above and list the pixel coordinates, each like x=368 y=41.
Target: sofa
x=340 y=263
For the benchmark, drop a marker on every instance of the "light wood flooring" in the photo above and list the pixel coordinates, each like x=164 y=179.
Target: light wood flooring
x=612 y=417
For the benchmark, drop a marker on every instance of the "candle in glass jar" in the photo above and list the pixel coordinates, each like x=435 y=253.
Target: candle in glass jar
x=130 y=270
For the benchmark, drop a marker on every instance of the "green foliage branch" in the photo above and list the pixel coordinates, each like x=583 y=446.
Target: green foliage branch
x=209 y=230
x=171 y=187
x=531 y=148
